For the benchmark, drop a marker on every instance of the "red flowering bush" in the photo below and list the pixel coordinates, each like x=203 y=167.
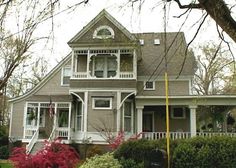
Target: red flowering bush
x=54 y=155
x=115 y=142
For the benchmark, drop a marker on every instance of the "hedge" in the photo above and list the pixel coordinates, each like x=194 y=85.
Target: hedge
x=199 y=152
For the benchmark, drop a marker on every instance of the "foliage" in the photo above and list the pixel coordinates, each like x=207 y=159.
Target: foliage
x=130 y=163
x=138 y=150
x=94 y=150
x=53 y=155
x=4 y=152
x=115 y=142
x=104 y=161
x=217 y=152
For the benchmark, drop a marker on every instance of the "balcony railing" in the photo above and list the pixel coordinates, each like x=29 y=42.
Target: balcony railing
x=84 y=75
x=182 y=135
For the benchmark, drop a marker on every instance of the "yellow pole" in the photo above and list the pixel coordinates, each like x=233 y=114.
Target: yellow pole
x=167 y=120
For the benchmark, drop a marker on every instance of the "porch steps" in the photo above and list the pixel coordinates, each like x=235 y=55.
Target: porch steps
x=37 y=147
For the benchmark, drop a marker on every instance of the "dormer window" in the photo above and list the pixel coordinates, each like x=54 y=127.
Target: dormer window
x=103 y=32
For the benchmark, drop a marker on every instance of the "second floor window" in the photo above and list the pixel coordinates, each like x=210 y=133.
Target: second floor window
x=103 y=66
x=66 y=73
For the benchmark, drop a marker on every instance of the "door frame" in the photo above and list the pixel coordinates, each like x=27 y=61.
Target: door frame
x=153 y=119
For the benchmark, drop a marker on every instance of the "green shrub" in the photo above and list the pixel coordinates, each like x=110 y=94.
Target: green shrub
x=130 y=163
x=217 y=152
x=4 y=152
x=138 y=150
x=103 y=161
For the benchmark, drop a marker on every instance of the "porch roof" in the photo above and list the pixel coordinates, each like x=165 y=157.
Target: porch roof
x=190 y=100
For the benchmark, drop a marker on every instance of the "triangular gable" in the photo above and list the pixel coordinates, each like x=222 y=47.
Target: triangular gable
x=102 y=18
x=35 y=89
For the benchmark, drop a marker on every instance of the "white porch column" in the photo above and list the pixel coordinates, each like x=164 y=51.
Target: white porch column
x=69 y=123
x=193 y=124
x=139 y=120
x=85 y=111
x=118 y=113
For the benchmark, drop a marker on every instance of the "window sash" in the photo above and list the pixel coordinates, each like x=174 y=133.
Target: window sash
x=102 y=103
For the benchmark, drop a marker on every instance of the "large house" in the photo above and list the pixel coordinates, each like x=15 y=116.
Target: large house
x=113 y=80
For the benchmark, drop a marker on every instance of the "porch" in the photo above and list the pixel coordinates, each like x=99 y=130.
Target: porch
x=104 y=64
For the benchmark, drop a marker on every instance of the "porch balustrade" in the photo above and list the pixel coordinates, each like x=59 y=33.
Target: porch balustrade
x=29 y=132
x=84 y=75
x=32 y=141
x=161 y=135
x=182 y=135
x=62 y=132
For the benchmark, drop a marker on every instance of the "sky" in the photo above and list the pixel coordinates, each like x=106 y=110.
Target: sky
x=148 y=19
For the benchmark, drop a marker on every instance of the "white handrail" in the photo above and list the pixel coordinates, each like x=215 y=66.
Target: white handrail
x=52 y=135
x=33 y=140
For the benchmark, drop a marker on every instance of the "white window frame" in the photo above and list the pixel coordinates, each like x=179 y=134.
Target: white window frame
x=62 y=75
x=105 y=68
x=153 y=84
x=81 y=116
x=131 y=117
x=183 y=111
x=95 y=36
x=102 y=98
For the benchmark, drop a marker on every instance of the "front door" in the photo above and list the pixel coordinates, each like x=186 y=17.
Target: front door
x=148 y=122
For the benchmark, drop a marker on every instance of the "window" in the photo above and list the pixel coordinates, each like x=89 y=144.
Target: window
x=102 y=103
x=149 y=85
x=79 y=116
x=128 y=116
x=103 y=32
x=63 y=117
x=66 y=73
x=103 y=66
x=178 y=113
x=31 y=118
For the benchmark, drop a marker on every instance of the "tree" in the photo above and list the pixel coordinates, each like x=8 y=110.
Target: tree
x=213 y=63
x=218 y=10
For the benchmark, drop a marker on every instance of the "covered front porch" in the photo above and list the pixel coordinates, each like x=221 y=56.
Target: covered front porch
x=183 y=111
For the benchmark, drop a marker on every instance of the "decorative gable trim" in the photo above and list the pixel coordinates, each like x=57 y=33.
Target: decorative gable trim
x=103 y=13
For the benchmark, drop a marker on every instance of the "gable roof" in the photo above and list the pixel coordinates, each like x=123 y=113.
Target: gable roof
x=45 y=79
x=101 y=15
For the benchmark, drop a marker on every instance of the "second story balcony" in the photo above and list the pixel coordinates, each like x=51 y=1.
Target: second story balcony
x=104 y=64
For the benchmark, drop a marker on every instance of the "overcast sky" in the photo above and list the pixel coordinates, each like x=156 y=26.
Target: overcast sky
x=149 y=19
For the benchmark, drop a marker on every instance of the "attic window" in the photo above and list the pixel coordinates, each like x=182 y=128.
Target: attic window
x=103 y=32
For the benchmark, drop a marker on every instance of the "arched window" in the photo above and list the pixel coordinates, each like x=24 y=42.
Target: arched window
x=103 y=32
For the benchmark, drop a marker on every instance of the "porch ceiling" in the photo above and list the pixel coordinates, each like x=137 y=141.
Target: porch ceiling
x=191 y=100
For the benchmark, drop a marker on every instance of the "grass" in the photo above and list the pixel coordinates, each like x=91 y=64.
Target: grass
x=6 y=165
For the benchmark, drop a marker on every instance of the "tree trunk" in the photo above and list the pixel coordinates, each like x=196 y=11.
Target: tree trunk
x=219 y=11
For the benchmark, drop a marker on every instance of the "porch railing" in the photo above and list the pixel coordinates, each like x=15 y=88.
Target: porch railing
x=84 y=75
x=182 y=135
x=211 y=134
x=29 y=132
x=33 y=140
x=52 y=135
x=161 y=135
x=62 y=132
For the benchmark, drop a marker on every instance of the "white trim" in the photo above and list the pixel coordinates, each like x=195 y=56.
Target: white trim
x=62 y=74
x=102 y=98
x=131 y=117
x=183 y=112
x=139 y=119
x=11 y=113
x=124 y=90
x=145 y=86
x=95 y=36
x=85 y=112
x=121 y=103
x=77 y=96
x=118 y=113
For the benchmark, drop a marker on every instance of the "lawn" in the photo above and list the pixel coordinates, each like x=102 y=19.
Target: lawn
x=6 y=165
